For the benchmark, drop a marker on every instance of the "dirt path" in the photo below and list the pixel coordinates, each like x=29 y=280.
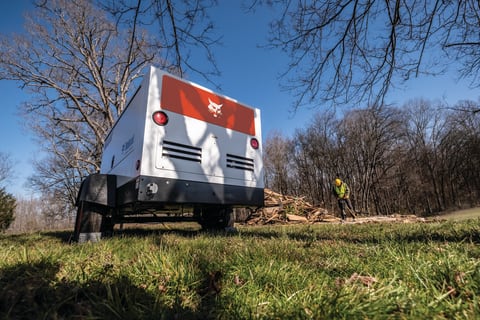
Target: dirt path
x=459 y=214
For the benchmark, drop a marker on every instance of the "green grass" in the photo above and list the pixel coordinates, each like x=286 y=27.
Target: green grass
x=365 y=271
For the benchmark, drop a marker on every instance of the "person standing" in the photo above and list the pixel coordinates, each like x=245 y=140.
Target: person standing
x=342 y=192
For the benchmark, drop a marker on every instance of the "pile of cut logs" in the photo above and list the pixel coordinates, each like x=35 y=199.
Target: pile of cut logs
x=280 y=208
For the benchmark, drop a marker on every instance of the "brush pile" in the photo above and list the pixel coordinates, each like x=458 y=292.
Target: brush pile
x=283 y=209
x=280 y=208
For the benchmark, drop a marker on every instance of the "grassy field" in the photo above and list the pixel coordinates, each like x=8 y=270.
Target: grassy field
x=323 y=271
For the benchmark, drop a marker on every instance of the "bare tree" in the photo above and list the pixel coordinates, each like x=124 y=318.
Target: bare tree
x=418 y=159
x=277 y=155
x=372 y=136
x=79 y=60
x=425 y=130
x=7 y=201
x=6 y=167
x=316 y=157
x=347 y=52
x=460 y=152
x=182 y=29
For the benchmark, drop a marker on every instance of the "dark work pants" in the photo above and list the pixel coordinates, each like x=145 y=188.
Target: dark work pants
x=345 y=202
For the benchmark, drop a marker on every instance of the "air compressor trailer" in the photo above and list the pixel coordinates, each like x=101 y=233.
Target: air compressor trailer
x=178 y=152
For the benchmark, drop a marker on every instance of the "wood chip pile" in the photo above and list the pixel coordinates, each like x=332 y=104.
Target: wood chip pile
x=288 y=209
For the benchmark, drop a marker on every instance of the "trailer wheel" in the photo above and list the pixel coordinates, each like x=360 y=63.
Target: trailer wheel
x=107 y=226
x=229 y=218
x=88 y=222
x=216 y=217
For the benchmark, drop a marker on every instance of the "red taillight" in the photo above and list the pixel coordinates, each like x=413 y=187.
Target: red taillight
x=160 y=118
x=254 y=143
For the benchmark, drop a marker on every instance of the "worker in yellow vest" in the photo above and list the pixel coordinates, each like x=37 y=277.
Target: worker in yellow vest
x=342 y=192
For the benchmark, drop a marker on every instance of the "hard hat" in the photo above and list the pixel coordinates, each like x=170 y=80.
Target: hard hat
x=338 y=182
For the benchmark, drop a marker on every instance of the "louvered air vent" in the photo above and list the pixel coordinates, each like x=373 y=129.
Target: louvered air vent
x=238 y=162
x=181 y=151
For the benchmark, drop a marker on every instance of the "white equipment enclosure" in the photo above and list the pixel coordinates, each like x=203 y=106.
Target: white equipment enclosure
x=178 y=152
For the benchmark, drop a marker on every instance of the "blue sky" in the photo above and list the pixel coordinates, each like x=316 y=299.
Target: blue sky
x=249 y=74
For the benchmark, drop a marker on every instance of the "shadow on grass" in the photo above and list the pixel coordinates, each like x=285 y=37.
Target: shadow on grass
x=33 y=291
x=31 y=237
x=372 y=233
x=361 y=233
x=186 y=231
x=66 y=236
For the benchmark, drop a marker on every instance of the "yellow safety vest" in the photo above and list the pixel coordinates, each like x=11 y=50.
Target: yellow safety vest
x=341 y=190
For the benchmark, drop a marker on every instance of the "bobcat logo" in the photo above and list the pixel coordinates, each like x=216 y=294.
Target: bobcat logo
x=214 y=108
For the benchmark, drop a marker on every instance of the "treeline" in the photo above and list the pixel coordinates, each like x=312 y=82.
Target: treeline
x=419 y=159
x=34 y=214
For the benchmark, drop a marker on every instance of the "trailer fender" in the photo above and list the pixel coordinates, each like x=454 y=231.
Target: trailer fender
x=98 y=189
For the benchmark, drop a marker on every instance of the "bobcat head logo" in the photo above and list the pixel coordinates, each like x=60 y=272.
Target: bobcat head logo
x=214 y=108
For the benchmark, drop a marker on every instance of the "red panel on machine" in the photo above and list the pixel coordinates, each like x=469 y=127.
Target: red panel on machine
x=201 y=104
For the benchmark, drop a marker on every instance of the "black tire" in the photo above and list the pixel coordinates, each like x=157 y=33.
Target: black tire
x=242 y=214
x=229 y=218
x=107 y=226
x=215 y=217
x=88 y=222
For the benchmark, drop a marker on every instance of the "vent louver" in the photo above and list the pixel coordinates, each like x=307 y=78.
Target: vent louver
x=181 y=151
x=238 y=162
